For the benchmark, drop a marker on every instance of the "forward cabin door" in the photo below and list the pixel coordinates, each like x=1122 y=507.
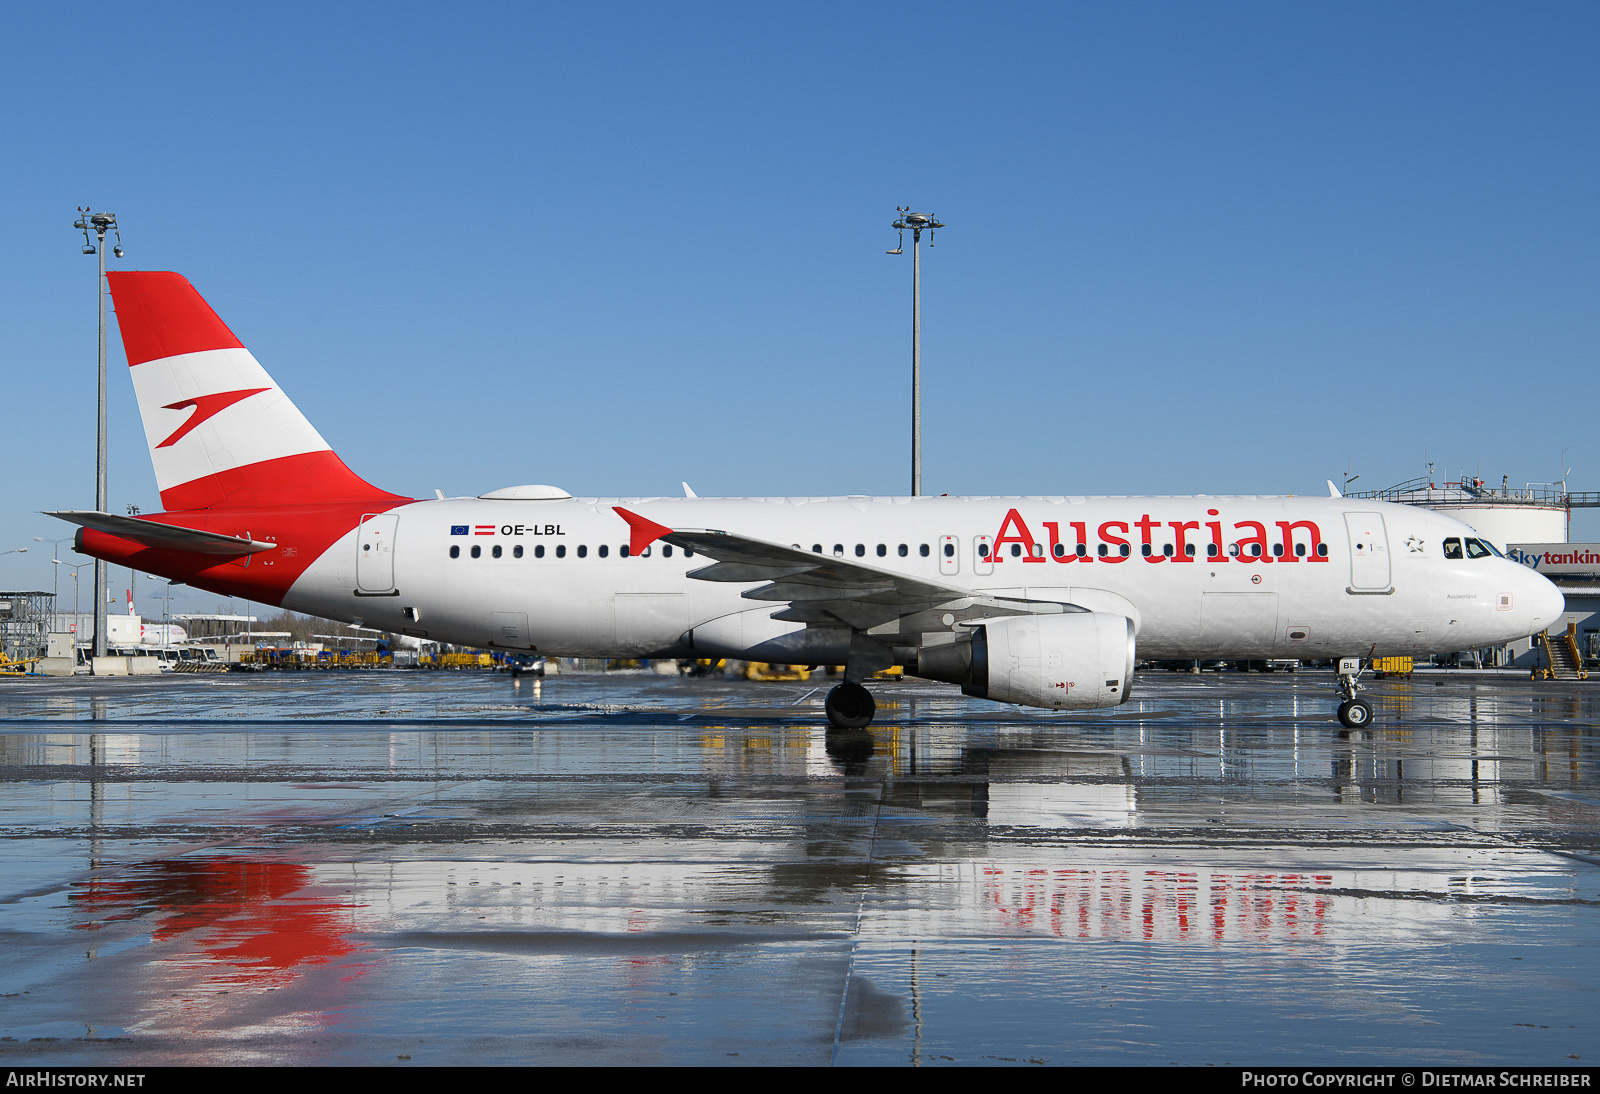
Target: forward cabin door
x=375 y=552
x=1369 y=553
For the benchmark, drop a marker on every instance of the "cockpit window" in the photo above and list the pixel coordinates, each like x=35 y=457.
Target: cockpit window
x=1476 y=549
x=1452 y=548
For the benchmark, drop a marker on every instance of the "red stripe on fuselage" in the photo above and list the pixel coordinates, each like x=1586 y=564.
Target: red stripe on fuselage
x=303 y=534
x=161 y=315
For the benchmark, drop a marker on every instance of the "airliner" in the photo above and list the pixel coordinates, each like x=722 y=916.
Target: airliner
x=1039 y=601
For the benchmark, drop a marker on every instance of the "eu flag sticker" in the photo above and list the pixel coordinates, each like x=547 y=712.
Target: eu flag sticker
x=458 y=529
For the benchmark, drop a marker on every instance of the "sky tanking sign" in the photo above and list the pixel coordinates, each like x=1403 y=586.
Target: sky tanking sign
x=1557 y=558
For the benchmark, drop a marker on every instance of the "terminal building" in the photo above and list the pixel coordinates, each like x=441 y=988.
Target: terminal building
x=1529 y=524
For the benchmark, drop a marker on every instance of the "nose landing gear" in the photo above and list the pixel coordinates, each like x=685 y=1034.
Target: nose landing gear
x=1354 y=713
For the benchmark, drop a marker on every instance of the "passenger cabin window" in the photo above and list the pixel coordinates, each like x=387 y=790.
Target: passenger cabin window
x=1059 y=550
x=983 y=550
x=1452 y=548
x=666 y=550
x=516 y=552
x=1475 y=549
x=455 y=552
x=838 y=550
x=603 y=549
x=882 y=550
x=583 y=551
x=904 y=551
x=477 y=552
x=1016 y=550
x=861 y=550
x=816 y=548
x=949 y=550
x=924 y=550
x=538 y=551
x=496 y=550
x=561 y=550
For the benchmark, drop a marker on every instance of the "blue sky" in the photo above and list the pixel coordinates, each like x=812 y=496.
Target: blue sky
x=1218 y=247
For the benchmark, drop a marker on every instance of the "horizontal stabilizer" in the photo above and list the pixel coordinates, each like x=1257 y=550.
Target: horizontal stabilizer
x=165 y=537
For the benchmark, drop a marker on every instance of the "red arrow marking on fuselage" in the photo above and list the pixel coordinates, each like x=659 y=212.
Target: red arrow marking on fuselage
x=204 y=407
x=644 y=531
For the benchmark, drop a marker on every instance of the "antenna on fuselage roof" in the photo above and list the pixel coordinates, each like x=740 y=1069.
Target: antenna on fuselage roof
x=1348 y=479
x=688 y=492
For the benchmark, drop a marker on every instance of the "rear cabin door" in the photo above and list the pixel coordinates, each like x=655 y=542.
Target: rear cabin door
x=1369 y=552
x=375 y=552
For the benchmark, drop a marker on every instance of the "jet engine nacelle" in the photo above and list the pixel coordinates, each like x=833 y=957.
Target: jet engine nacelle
x=1075 y=661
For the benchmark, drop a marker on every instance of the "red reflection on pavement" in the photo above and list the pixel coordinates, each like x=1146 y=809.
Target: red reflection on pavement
x=250 y=915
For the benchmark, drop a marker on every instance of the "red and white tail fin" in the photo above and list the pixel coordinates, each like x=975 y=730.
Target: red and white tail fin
x=221 y=432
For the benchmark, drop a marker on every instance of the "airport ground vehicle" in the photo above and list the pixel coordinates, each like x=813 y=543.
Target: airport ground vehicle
x=1040 y=601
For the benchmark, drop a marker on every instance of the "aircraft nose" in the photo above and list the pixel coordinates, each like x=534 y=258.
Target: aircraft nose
x=1544 y=600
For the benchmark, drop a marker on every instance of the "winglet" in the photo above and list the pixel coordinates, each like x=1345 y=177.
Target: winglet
x=645 y=531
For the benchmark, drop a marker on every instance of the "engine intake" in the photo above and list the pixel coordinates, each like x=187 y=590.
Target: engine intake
x=1077 y=661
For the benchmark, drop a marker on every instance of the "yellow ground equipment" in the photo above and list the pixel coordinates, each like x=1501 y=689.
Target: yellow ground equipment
x=761 y=670
x=1392 y=666
x=1562 y=661
x=20 y=667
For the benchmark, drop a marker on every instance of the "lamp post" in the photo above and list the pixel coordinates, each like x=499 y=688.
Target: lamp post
x=55 y=558
x=74 y=570
x=99 y=224
x=916 y=224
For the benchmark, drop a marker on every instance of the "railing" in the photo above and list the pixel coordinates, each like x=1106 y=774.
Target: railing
x=1421 y=491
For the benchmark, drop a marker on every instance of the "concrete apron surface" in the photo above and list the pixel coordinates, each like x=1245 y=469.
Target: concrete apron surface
x=420 y=869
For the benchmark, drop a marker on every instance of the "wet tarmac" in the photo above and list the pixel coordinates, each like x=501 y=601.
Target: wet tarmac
x=422 y=869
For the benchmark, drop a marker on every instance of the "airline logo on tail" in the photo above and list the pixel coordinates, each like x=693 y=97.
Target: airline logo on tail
x=205 y=406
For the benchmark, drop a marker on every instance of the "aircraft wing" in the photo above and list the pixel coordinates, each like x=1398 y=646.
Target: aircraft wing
x=824 y=589
x=165 y=537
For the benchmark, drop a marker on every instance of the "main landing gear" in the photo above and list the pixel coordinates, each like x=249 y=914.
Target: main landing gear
x=850 y=706
x=1354 y=713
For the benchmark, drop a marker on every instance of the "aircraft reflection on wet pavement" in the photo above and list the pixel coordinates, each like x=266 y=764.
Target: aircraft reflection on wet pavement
x=626 y=870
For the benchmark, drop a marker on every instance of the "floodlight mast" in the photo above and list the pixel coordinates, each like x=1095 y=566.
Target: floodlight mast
x=915 y=223
x=100 y=224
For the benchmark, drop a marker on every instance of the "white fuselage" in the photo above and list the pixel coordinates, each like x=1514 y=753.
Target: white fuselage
x=1333 y=576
